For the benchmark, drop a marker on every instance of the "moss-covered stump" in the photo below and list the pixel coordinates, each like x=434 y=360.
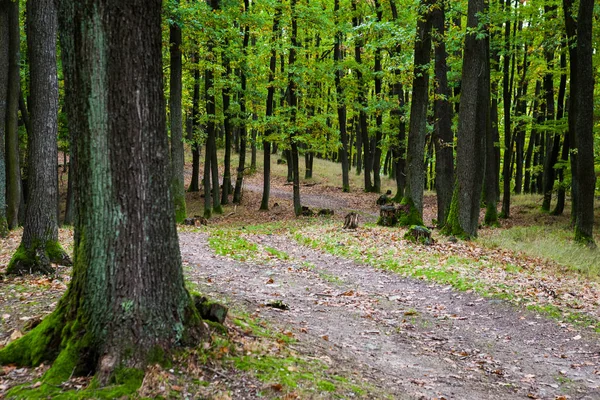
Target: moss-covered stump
x=210 y=310
x=419 y=234
x=390 y=215
x=37 y=258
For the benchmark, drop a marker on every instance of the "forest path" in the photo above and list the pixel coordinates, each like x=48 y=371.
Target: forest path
x=410 y=338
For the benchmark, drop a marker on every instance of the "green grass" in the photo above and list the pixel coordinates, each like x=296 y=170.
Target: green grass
x=550 y=242
x=228 y=243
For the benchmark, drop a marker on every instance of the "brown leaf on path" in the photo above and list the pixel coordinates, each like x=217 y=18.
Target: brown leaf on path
x=277 y=387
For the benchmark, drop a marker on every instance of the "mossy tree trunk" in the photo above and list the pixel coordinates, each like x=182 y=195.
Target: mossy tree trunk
x=473 y=117
x=4 y=32
x=415 y=171
x=13 y=169
x=175 y=92
x=126 y=304
x=39 y=246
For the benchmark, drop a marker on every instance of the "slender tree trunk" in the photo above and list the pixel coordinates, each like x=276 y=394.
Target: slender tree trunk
x=584 y=125
x=444 y=139
x=239 y=182
x=293 y=104
x=13 y=169
x=506 y=99
x=264 y=204
x=552 y=138
x=415 y=173
x=564 y=156
x=175 y=93
x=362 y=101
x=193 y=128
x=39 y=245
x=463 y=218
x=227 y=127
x=519 y=131
x=341 y=101
x=4 y=56
x=378 y=113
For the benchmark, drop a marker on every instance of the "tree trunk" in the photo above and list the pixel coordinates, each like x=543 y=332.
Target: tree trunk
x=463 y=218
x=239 y=182
x=227 y=127
x=564 y=155
x=341 y=101
x=4 y=39
x=444 y=139
x=584 y=126
x=362 y=101
x=552 y=138
x=506 y=99
x=13 y=169
x=193 y=128
x=39 y=246
x=126 y=301
x=415 y=173
x=175 y=93
x=378 y=112
x=264 y=204
x=293 y=104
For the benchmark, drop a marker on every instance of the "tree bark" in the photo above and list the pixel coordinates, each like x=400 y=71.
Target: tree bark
x=415 y=172
x=193 y=128
x=341 y=101
x=378 y=111
x=4 y=39
x=564 y=155
x=444 y=139
x=39 y=246
x=175 y=112
x=126 y=301
x=13 y=169
x=584 y=126
x=226 y=94
x=264 y=204
x=293 y=104
x=463 y=218
x=506 y=99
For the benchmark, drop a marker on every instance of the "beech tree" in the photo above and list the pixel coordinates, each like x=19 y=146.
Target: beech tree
x=126 y=302
x=39 y=246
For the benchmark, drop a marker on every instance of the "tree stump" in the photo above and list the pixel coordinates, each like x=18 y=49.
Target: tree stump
x=390 y=215
x=307 y=212
x=325 y=212
x=419 y=234
x=351 y=221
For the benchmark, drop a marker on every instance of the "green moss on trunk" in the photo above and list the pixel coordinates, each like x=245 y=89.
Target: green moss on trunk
x=37 y=258
x=413 y=216
x=3 y=227
x=452 y=226
x=491 y=216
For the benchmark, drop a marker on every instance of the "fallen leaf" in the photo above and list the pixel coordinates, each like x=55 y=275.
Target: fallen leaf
x=270 y=281
x=277 y=387
x=325 y=337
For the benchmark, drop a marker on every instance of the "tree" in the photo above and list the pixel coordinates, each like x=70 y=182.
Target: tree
x=415 y=171
x=584 y=125
x=4 y=11
x=473 y=117
x=341 y=101
x=126 y=303
x=444 y=139
x=13 y=169
x=175 y=89
x=39 y=246
x=293 y=104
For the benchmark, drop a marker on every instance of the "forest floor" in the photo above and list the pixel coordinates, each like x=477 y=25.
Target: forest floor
x=320 y=312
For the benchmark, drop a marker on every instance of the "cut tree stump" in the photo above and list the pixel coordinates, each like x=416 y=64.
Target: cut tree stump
x=390 y=215
x=351 y=221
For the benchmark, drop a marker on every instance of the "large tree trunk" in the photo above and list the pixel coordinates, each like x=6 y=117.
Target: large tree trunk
x=415 y=172
x=444 y=140
x=175 y=93
x=584 y=125
x=4 y=35
x=463 y=218
x=13 y=169
x=264 y=204
x=39 y=246
x=126 y=301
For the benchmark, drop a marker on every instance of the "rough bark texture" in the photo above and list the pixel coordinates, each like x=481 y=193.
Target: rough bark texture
x=415 y=172
x=126 y=304
x=175 y=93
x=39 y=245
x=473 y=117
x=4 y=32
x=584 y=125
x=13 y=170
x=444 y=139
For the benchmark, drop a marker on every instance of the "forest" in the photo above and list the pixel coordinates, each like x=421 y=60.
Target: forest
x=299 y=199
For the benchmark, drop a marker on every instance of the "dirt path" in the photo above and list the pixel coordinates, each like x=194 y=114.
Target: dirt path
x=410 y=338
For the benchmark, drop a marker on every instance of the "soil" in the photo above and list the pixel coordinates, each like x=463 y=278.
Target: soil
x=406 y=338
